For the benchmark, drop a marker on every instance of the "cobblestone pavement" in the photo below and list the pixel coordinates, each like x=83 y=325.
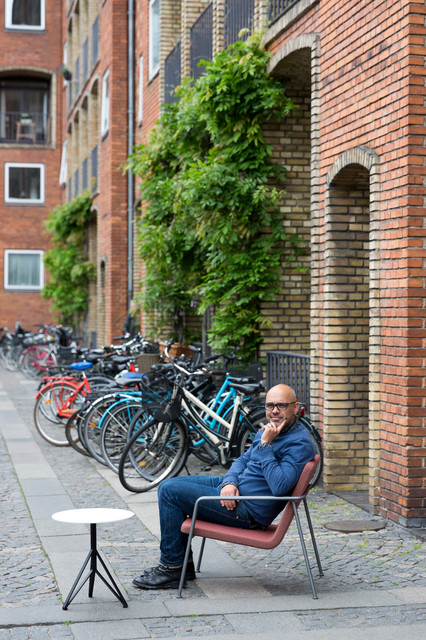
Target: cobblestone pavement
x=26 y=574
x=390 y=558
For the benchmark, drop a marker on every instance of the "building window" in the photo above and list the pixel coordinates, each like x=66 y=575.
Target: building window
x=25 y=14
x=105 y=104
x=23 y=182
x=154 y=37
x=140 y=97
x=63 y=172
x=23 y=270
x=28 y=98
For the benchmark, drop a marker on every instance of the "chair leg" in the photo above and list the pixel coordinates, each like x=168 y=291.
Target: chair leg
x=314 y=542
x=200 y=556
x=305 y=553
x=185 y=564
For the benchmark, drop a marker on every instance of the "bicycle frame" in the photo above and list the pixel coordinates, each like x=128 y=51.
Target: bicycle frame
x=221 y=442
x=64 y=410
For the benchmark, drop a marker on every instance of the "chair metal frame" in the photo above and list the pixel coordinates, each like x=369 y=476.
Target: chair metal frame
x=269 y=538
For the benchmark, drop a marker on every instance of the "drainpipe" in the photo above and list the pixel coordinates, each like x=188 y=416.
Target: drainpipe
x=130 y=143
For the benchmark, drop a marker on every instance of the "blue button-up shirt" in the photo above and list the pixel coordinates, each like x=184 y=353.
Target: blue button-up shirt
x=272 y=471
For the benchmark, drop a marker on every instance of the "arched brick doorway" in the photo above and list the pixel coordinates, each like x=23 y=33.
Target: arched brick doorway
x=351 y=327
x=295 y=146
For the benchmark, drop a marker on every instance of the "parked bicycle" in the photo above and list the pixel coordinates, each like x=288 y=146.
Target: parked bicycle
x=160 y=447
x=58 y=398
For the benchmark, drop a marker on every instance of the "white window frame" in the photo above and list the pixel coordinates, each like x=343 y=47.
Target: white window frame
x=10 y=200
x=8 y=18
x=153 y=69
x=22 y=287
x=106 y=98
x=141 y=87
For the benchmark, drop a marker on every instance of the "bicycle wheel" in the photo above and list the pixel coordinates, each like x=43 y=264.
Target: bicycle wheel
x=316 y=441
x=90 y=427
x=155 y=452
x=249 y=425
x=12 y=358
x=35 y=361
x=48 y=421
x=202 y=449
x=72 y=433
x=116 y=428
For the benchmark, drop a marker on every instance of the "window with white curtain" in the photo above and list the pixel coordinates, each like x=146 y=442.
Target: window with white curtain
x=105 y=104
x=140 y=97
x=23 y=269
x=63 y=172
x=23 y=183
x=25 y=14
x=154 y=37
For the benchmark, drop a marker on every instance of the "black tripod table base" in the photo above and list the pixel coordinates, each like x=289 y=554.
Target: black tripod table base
x=93 y=558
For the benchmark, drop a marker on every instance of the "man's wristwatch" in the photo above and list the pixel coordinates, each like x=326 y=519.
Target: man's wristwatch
x=264 y=445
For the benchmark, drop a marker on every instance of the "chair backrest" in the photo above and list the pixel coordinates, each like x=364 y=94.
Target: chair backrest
x=260 y=538
x=301 y=488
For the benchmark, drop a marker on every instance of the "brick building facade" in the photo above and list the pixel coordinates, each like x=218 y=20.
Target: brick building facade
x=355 y=191
x=30 y=153
x=355 y=160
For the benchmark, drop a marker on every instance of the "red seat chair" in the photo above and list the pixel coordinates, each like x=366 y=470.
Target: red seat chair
x=263 y=539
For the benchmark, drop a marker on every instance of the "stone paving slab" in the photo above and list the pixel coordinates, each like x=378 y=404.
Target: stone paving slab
x=374 y=580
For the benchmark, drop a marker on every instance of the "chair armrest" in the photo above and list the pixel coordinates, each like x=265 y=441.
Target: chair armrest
x=242 y=498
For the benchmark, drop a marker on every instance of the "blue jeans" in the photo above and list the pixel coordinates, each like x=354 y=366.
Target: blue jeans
x=176 y=499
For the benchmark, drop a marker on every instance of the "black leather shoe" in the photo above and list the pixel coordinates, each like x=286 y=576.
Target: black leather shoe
x=190 y=570
x=159 y=578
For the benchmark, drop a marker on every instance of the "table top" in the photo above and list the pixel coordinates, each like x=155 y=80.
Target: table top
x=92 y=516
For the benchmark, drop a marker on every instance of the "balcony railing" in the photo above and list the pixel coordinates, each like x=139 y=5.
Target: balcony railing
x=172 y=74
x=277 y=8
x=201 y=41
x=239 y=14
x=34 y=130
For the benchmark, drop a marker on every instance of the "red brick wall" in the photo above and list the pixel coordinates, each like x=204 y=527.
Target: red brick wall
x=112 y=198
x=22 y=226
x=371 y=95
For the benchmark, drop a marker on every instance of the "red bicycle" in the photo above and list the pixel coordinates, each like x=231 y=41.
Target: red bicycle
x=59 y=398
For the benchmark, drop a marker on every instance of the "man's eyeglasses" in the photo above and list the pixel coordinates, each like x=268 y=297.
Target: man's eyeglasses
x=281 y=406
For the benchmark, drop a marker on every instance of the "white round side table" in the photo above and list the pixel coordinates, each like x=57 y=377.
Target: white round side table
x=93 y=517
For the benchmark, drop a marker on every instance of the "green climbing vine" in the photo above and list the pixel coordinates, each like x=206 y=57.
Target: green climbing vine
x=67 y=262
x=211 y=233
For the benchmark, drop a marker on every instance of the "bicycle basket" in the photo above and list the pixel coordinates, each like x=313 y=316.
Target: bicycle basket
x=163 y=409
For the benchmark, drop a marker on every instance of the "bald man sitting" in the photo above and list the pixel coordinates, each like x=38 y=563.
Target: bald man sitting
x=271 y=466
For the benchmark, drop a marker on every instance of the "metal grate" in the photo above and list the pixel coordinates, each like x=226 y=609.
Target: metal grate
x=239 y=14
x=201 y=41
x=277 y=8
x=284 y=367
x=172 y=74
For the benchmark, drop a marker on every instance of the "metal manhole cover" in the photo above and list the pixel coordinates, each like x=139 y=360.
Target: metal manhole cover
x=355 y=526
